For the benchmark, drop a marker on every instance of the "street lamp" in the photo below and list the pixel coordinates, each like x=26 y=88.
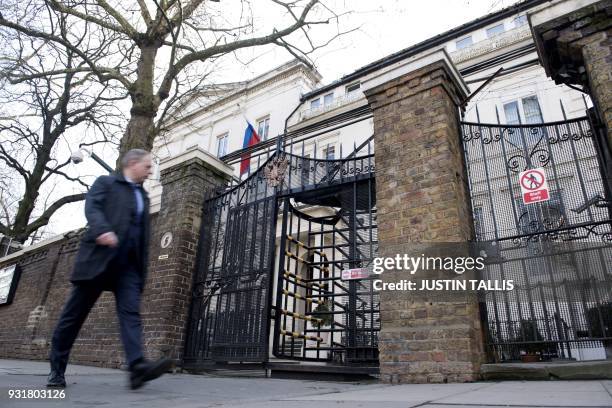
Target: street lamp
x=77 y=157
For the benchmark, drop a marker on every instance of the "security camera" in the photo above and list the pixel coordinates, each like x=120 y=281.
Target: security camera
x=77 y=157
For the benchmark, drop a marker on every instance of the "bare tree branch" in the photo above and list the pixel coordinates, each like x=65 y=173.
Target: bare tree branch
x=226 y=48
x=86 y=17
x=127 y=27
x=43 y=219
x=144 y=12
x=104 y=73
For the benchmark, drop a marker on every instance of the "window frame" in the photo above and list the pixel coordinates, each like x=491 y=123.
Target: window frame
x=520 y=107
x=522 y=19
x=351 y=88
x=514 y=102
x=315 y=103
x=331 y=100
x=495 y=34
x=457 y=42
x=266 y=121
x=326 y=150
x=539 y=106
x=220 y=137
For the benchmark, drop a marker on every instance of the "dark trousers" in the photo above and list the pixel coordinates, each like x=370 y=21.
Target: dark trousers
x=124 y=280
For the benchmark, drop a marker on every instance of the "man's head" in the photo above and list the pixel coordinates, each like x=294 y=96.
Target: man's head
x=137 y=165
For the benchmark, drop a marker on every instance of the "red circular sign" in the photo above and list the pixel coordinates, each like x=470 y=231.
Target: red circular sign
x=532 y=180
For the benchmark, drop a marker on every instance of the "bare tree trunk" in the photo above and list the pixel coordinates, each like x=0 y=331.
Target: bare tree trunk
x=28 y=202
x=140 y=132
x=137 y=134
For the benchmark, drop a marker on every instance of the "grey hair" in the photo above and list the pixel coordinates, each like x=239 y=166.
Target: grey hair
x=133 y=155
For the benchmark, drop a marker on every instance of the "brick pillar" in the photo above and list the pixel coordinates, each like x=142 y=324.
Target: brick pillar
x=422 y=198
x=185 y=180
x=574 y=41
x=597 y=54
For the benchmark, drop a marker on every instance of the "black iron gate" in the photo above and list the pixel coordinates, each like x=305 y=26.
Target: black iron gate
x=229 y=311
x=328 y=224
x=558 y=252
x=321 y=316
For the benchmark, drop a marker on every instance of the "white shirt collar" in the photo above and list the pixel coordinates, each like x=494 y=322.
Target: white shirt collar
x=129 y=180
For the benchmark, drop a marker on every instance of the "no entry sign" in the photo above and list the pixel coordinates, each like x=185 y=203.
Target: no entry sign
x=534 y=187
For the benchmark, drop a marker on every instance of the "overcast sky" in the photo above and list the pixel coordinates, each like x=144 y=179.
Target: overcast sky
x=384 y=27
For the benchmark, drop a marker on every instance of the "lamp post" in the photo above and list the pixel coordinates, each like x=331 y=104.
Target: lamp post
x=77 y=157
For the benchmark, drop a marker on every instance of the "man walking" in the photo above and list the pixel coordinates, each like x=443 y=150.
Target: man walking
x=112 y=256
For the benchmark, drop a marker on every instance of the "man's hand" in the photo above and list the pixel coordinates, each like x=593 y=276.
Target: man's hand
x=107 y=239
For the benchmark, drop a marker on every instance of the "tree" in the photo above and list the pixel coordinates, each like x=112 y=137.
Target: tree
x=167 y=45
x=43 y=111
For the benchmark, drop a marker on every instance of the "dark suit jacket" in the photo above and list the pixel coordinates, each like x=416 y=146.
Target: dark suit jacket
x=109 y=205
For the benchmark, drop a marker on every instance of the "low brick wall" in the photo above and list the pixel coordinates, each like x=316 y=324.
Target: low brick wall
x=28 y=322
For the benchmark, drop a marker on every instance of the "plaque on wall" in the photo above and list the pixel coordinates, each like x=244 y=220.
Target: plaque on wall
x=9 y=277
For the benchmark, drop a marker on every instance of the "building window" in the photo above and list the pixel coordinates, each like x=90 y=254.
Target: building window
x=495 y=30
x=329 y=153
x=530 y=109
x=328 y=99
x=512 y=113
x=315 y=104
x=520 y=20
x=524 y=111
x=353 y=87
x=222 y=144
x=464 y=42
x=263 y=128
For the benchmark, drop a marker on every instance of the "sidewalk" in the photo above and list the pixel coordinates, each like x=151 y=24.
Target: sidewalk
x=99 y=387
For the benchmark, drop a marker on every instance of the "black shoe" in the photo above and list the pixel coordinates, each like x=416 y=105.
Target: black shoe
x=56 y=380
x=144 y=371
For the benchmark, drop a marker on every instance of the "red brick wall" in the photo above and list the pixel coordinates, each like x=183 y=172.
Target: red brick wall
x=28 y=323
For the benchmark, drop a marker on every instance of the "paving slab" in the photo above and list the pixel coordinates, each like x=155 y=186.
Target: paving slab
x=408 y=393
x=96 y=387
x=537 y=393
x=100 y=387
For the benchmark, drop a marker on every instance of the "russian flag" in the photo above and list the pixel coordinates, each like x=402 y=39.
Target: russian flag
x=250 y=139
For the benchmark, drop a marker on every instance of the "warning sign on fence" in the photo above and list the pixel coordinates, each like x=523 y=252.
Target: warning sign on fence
x=534 y=187
x=357 y=273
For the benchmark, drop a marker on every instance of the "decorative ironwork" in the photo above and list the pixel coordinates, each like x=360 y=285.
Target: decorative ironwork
x=558 y=252
x=322 y=317
x=231 y=303
x=526 y=146
x=274 y=171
